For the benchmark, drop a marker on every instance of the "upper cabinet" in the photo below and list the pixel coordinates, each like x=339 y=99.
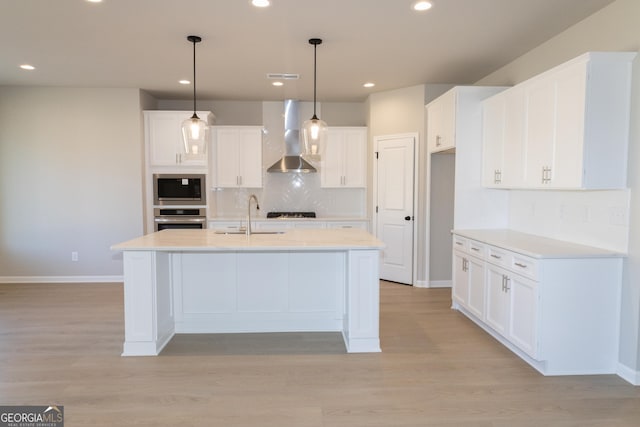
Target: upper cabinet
x=503 y=120
x=344 y=161
x=441 y=130
x=564 y=129
x=163 y=137
x=237 y=157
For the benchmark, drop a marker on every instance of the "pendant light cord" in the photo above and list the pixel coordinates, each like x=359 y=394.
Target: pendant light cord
x=315 y=48
x=194 y=77
x=194 y=40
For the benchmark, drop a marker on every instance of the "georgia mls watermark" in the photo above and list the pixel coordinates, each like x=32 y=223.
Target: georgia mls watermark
x=31 y=416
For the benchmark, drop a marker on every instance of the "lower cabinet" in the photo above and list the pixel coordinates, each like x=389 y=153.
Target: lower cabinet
x=559 y=312
x=511 y=307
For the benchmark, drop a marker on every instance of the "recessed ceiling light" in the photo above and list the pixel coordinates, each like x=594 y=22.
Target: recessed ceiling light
x=27 y=67
x=94 y=1
x=261 y=3
x=369 y=84
x=277 y=84
x=184 y=82
x=421 y=5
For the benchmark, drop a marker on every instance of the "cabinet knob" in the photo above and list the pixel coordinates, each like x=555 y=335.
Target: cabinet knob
x=407 y=218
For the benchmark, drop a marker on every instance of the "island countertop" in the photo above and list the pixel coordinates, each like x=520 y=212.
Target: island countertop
x=292 y=239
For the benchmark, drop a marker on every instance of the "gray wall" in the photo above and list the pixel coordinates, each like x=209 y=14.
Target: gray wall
x=70 y=179
x=614 y=28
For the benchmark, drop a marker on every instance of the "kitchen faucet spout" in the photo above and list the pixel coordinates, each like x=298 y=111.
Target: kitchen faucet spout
x=251 y=197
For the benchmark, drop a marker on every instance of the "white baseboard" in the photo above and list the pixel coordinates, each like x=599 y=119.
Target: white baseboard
x=433 y=284
x=628 y=374
x=61 y=279
x=440 y=284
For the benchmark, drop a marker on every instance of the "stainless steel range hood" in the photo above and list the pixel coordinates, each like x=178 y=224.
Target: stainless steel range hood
x=292 y=161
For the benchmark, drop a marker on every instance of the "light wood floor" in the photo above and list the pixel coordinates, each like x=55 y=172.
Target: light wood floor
x=61 y=344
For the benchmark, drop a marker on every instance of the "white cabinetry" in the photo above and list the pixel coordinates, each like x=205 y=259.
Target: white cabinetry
x=441 y=129
x=568 y=127
x=503 y=139
x=538 y=297
x=469 y=276
x=343 y=162
x=163 y=137
x=512 y=306
x=237 y=157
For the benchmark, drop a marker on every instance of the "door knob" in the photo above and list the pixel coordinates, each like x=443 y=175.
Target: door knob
x=407 y=218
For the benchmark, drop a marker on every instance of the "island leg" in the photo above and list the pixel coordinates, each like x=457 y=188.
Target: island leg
x=362 y=302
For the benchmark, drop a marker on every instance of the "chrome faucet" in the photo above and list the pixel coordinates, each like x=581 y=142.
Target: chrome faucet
x=251 y=197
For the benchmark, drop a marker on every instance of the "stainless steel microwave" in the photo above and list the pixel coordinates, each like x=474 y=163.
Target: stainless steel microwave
x=179 y=189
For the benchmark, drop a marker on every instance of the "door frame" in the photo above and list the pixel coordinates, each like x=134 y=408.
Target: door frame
x=416 y=178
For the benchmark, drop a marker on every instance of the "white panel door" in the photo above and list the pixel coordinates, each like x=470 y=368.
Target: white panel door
x=394 y=201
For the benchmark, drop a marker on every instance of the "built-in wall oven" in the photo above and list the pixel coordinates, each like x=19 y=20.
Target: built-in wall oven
x=189 y=218
x=179 y=189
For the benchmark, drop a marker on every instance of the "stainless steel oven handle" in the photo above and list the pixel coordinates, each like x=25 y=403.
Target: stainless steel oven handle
x=179 y=219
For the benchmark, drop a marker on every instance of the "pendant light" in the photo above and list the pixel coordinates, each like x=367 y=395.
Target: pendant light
x=195 y=130
x=314 y=130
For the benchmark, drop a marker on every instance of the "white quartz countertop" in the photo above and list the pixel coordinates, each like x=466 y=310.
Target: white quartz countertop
x=535 y=246
x=293 y=239
x=317 y=219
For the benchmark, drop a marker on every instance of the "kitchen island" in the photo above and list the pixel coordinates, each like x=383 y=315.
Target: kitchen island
x=203 y=281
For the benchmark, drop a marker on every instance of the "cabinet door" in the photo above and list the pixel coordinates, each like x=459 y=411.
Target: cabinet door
x=441 y=122
x=164 y=138
x=344 y=158
x=570 y=127
x=238 y=157
x=250 y=158
x=460 y=291
x=523 y=313
x=355 y=152
x=227 y=157
x=497 y=313
x=493 y=124
x=513 y=147
x=540 y=109
x=476 y=272
x=333 y=159
x=164 y=135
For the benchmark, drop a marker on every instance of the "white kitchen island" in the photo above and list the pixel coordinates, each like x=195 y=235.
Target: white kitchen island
x=201 y=281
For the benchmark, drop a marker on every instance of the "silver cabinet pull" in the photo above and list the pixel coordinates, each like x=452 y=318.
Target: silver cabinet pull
x=459 y=243
x=496 y=256
x=497 y=176
x=438 y=139
x=475 y=249
x=520 y=265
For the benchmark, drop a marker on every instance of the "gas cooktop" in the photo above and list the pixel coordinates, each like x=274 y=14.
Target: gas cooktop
x=283 y=215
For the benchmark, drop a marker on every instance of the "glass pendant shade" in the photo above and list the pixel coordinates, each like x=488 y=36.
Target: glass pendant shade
x=195 y=134
x=314 y=135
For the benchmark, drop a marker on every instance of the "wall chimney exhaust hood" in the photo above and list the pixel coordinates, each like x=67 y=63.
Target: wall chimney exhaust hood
x=291 y=161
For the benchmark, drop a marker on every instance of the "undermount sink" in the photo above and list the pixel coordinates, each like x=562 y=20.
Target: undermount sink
x=244 y=232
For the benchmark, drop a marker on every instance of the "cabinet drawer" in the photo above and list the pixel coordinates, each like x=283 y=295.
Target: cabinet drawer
x=524 y=265
x=499 y=256
x=476 y=248
x=460 y=243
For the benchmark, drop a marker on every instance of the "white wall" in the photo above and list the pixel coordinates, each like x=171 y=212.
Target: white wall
x=70 y=180
x=614 y=28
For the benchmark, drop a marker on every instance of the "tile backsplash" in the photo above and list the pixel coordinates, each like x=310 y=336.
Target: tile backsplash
x=594 y=218
x=287 y=191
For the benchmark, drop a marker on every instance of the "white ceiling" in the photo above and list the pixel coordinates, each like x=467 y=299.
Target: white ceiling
x=142 y=43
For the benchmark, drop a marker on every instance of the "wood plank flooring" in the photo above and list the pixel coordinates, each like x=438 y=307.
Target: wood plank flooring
x=61 y=344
